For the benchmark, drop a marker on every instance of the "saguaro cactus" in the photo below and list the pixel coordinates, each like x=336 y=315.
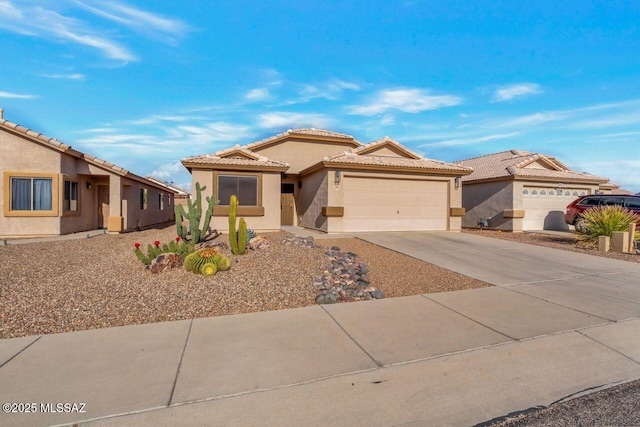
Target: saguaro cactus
x=237 y=241
x=193 y=216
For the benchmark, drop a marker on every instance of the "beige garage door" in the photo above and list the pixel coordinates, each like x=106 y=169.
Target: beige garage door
x=544 y=208
x=375 y=204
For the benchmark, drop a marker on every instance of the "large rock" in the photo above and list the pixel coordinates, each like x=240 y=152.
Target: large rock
x=258 y=243
x=165 y=262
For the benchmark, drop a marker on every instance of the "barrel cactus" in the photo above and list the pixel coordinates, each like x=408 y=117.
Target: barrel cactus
x=207 y=261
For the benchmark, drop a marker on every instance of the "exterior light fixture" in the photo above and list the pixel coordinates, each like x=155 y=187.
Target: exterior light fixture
x=457 y=182
x=338 y=177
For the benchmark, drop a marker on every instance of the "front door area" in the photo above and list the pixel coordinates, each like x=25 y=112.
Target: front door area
x=103 y=206
x=287 y=203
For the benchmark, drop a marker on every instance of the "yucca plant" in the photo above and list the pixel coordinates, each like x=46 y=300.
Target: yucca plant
x=603 y=221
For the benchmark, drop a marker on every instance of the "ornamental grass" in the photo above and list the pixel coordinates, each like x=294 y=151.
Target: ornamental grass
x=603 y=221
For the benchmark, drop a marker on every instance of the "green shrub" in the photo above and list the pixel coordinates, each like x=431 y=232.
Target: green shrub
x=603 y=221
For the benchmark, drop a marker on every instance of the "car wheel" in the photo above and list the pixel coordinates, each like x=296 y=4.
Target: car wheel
x=578 y=224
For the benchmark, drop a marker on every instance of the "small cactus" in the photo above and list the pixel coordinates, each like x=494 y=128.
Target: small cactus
x=198 y=260
x=250 y=235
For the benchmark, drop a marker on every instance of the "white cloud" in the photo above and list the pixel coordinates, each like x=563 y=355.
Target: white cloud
x=9 y=11
x=13 y=95
x=507 y=93
x=529 y=120
x=75 y=76
x=470 y=140
x=47 y=24
x=257 y=94
x=407 y=100
x=168 y=170
x=152 y=25
x=286 y=120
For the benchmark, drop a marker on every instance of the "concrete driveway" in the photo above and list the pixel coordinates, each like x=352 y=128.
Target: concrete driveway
x=603 y=287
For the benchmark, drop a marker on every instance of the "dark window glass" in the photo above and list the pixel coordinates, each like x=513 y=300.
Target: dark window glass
x=632 y=202
x=244 y=187
x=31 y=194
x=70 y=196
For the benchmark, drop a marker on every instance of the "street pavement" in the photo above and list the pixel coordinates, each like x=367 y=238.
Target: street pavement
x=557 y=324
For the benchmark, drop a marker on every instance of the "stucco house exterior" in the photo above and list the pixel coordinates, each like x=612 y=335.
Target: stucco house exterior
x=51 y=189
x=519 y=190
x=329 y=181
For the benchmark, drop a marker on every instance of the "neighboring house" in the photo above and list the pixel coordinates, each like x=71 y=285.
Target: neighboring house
x=181 y=195
x=613 y=188
x=51 y=189
x=519 y=190
x=329 y=181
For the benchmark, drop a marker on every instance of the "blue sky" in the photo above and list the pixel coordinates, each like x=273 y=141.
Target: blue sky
x=143 y=84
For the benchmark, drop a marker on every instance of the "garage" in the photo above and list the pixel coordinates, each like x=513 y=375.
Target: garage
x=545 y=207
x=376 y=204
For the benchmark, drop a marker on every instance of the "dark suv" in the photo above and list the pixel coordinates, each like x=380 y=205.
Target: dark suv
x=582 y=203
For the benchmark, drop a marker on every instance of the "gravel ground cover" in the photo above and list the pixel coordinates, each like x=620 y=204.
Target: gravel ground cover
x=565 y=241
x=71 y=285
x=616 y=406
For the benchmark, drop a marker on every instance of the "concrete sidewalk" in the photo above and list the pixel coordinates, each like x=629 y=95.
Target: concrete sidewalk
x=456 y=358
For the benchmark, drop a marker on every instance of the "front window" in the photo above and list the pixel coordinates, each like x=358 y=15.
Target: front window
x=245 y=189
x=144 y=198
x=71 y=196
x=31 y=194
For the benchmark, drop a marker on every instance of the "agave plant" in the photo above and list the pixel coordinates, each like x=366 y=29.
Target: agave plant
x=603 y=221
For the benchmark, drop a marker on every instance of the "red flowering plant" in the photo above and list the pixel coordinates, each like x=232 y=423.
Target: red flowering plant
x=153 y=251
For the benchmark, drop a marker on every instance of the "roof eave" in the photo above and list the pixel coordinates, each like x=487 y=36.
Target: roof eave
x=191 y=166
x=338 y=165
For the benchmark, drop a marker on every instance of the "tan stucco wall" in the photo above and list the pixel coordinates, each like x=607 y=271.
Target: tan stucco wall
x=270 y=221
x=488 y=201
x=18 y=155
x=310 y=199
x=300 y=154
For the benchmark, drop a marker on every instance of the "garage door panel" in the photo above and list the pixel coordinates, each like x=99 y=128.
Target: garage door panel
x=545 y=211
x=376 y=204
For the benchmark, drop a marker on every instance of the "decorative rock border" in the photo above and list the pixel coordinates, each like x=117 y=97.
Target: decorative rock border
x=344 y=279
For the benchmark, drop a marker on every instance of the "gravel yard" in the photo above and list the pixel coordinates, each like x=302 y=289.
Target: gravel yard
x=565 y=241
x=71 y=285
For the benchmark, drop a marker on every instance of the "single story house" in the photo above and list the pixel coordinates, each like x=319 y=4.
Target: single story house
x=181 y=195
x=51 y=189
x=331 y=182
x=518 y=190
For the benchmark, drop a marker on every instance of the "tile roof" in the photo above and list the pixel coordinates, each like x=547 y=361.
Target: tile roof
x=54 y=144
x=512 y=164
x=178 y=190
x=218 y=159
x=386 y=141
x=305 y=132
x=351 y=158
